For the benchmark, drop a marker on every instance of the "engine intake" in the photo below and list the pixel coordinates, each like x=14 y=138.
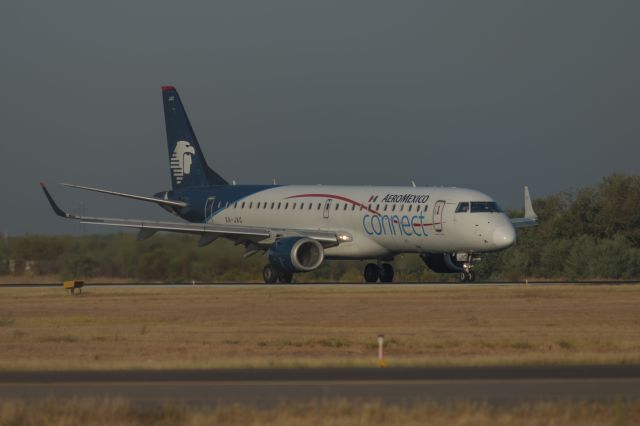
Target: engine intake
x=296 y=254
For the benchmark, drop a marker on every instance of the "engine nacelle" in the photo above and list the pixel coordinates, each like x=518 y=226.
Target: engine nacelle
x=296 y=254
x=442 y=262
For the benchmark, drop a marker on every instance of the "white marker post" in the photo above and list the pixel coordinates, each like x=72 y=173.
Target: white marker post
x=381 y=363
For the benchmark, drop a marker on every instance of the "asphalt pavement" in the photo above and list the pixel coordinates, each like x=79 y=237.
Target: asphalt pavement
x=268 y=387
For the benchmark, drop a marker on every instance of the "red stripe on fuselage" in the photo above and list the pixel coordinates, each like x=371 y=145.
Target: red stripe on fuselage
x=349 y=200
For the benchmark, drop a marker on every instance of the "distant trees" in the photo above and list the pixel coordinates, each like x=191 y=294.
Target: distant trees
x=591 y=233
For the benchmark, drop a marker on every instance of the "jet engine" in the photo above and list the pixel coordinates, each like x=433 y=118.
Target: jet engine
x=442 y=262
x=296 y=254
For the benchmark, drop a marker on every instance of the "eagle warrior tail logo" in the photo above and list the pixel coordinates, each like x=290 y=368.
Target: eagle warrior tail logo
x=181 y=160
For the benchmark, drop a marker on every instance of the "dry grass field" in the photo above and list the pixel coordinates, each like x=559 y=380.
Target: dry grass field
x=112 y=412
x=194 y=327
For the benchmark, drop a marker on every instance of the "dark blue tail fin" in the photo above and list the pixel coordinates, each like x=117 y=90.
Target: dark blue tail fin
x=188 y=166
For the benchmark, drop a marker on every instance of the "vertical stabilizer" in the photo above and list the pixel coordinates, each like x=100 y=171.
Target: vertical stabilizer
x=187 y=163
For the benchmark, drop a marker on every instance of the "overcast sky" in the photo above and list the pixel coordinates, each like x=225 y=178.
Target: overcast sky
x=481 y=94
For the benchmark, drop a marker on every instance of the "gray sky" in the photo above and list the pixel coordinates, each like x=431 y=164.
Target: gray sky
x=481 y=94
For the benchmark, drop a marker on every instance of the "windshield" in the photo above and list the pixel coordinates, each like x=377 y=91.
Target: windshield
x=463 y=207
x=485 y=207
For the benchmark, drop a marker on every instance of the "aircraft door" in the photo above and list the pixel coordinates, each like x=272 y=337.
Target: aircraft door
x=327 y=208
x=209 y=207
x=438 y=208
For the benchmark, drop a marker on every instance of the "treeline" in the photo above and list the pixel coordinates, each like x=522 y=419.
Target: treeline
x=165 y=257
x=590 y=233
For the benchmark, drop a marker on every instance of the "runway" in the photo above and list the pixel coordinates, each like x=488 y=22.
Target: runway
x=327 y=284
x=268 y=387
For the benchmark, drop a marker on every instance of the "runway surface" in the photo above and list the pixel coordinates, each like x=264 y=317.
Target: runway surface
x=324 y=284
x=267 y=387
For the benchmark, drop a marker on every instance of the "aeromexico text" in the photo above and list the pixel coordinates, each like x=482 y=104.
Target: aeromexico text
x=405 y=198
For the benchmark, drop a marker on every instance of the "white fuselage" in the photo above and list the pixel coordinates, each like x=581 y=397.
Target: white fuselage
x=382 y=221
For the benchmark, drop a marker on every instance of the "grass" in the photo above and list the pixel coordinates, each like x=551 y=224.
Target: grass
x=323 y=412
x=309 y=326
x=6 y=321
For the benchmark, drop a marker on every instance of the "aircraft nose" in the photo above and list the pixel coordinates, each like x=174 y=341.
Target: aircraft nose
x=504 y=236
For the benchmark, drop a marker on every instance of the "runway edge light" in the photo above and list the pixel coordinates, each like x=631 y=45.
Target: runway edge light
x=381 y=363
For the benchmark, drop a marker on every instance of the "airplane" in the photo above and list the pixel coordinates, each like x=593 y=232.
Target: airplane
x=298 y=227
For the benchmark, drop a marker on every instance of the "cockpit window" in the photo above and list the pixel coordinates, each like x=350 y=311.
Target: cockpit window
x=485 y=207
x=463 y=207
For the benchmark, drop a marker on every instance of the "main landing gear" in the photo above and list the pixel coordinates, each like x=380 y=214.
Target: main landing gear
x=271 y=275
x=383 y=272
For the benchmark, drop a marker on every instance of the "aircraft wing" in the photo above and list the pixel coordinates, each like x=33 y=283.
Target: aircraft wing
x=257 y=236
x=530 y=217
x=134 y=197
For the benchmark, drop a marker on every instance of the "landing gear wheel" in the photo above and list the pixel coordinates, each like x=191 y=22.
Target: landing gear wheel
x=386 y=273
x=270 y=274
x=469 y=276
x=371 y=273
x=285 y=277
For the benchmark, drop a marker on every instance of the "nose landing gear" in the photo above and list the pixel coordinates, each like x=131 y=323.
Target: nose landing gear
x=467 y=276
x=383 y=272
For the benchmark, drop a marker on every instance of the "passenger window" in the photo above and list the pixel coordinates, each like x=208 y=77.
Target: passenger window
x=279 y=205
x=310 y=206
x=410 y=207
x=425 y=207
x=378 y=207
x=385 y=207
x=272 y=204
x=235 y=205
x=286 y=206
x=293 y=207
x=401 y=207
x=353 y=207
x=337 y=206
x=242 y=205
x=345 y=206
x=463 y=207
x=319 y=206
x=251 y=204
x=301 y=206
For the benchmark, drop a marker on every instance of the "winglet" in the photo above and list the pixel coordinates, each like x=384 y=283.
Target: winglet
x=528 y=207
x=54 y=206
